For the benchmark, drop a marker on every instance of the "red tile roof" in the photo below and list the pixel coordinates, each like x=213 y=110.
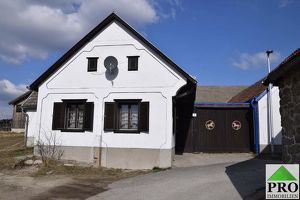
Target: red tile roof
x=249 y=93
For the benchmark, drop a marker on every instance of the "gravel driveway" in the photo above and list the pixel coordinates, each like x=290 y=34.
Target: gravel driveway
x=197 y=176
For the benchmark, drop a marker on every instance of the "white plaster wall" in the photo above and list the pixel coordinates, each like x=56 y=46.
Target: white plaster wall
x=32 y=122
x=263 y=118
x=155 y=82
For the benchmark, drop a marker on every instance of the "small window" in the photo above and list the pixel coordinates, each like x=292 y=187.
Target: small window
x=126 y=116
x=92 y=64
x=133 y=63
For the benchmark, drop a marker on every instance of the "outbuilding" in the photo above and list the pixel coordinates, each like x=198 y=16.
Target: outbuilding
x=232 y=119
x=287 y=77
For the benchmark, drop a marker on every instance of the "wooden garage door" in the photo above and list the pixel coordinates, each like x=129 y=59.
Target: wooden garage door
x=220 y=130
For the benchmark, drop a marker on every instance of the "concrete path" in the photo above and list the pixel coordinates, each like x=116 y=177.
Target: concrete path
x=223 y=176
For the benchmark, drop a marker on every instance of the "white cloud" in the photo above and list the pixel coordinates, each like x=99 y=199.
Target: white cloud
x=33 y=28
x=285 y=3
x=256 y=60
x=8 y=91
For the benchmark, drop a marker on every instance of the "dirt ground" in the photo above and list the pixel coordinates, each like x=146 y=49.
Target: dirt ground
x=23 y=184
x=55 y=182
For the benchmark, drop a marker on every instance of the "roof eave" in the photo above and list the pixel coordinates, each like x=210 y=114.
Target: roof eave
x=276 y=75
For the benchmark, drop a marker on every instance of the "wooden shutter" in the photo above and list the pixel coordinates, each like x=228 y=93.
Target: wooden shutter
x=89 y=116
x=58 y=116
x=144 y=117
x=109 y=116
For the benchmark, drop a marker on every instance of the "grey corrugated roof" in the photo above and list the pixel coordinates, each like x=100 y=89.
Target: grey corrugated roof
x=31 y=101
x=217 y=93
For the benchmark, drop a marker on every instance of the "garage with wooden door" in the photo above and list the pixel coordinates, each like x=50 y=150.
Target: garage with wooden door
x=220 y=128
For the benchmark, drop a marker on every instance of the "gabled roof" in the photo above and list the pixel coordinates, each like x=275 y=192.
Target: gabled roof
x=112 y=17
x=290 y=63
x=250 y=92
x=20 y=98
x=217 y=93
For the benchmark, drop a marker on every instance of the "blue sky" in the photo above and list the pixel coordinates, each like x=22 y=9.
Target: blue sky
x=219 y=42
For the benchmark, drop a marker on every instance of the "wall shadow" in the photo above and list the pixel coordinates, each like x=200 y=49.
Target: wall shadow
x=248 y=177
x=183 y=110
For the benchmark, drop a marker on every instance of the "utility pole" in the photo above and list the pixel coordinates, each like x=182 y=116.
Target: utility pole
x=269 y=99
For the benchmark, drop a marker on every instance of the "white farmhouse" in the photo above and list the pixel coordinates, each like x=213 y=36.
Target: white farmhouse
x=113 y=100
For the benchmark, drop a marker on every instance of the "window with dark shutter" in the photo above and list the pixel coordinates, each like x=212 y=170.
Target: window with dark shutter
x=109 y=116
x=126 y=116
x=73 y=115
x=92 y=64
x=144 y=117
x=89 y=116
x=58 y=116
x=133 y=63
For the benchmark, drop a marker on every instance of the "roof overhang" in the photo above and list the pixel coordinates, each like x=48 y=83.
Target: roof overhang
x=286 y=66
x=221 y=105
x=20 y=98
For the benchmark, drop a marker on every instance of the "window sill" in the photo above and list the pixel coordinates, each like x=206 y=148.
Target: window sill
x=127 y=131
x=72 y=130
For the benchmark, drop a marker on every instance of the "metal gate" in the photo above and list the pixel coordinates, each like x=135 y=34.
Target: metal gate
x=220 y=130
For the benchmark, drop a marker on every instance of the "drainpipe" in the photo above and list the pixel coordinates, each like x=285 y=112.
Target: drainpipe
x=253 y=104
x=270 y=113
x=26 y=126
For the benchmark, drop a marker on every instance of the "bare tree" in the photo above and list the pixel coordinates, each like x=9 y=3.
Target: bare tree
x=49 y=149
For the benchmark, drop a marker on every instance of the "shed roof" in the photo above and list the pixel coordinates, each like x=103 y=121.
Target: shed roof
x=290 y=63
x=20 y=98
x=217 y=93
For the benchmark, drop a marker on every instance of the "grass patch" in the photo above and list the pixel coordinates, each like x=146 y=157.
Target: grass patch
x=158 y=169
x=8 y=159
x=88 y=171
x=11 y=146
x=4 y=134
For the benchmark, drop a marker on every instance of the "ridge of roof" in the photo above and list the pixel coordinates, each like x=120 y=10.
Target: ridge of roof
x=103 y=24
